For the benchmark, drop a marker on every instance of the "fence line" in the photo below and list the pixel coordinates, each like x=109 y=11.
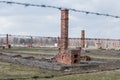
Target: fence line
x=53 y=42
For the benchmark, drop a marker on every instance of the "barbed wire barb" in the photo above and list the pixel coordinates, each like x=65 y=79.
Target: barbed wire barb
x=59 y=8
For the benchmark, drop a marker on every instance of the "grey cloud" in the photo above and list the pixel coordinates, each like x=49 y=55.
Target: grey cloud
x=46 y=22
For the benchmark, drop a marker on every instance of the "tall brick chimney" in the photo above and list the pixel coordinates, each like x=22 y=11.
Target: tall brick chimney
x=7 y=44
x=66 y=56
x=64 y=30
x=31 y=40
x=83 y=38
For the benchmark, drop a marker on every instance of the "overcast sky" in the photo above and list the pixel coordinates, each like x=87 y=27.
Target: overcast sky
x=21 y=20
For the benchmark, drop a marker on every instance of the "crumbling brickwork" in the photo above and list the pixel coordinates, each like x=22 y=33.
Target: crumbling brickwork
x=64 y=31
x=66 y=56
x=83 y=38
x=7 y=42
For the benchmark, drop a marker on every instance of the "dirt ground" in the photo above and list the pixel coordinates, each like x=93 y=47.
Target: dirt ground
x=110 y=59
x=111 y=56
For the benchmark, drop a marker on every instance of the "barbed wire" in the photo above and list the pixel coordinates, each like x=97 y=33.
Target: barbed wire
x=33 y=36
x=15 y=35
x=59 y=8
x=25 y=36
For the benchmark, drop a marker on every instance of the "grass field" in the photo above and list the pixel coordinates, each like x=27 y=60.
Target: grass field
x=10 y=71
x=19 y=72
x=46 y=50
x=105 y=54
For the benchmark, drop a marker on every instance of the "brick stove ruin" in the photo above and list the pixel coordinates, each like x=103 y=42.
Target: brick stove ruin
x=66 y=56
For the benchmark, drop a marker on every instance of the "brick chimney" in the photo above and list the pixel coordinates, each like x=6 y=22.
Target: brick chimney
x=83 y=38
x=7 y=45
x=31 y=41
x=64 y=31
x=66 y=56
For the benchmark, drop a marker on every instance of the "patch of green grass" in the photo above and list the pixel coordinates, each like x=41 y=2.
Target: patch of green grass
x=20 y=72
x=32 y=50
x=10 y=71
x=108 y=75
x=104 y=54
x=104 y=57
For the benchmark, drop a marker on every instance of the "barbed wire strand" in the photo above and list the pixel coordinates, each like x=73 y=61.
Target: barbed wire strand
x=25 y=36
x=29 y=36
x=60 y=8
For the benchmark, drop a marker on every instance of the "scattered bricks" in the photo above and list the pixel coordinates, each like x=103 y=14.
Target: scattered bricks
x=85 y=58
x=17 y=56
x=32 y=63
x=1 y=53
x=29 y=57
x=44 y=59
x=93 y=65
x=35 y=77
